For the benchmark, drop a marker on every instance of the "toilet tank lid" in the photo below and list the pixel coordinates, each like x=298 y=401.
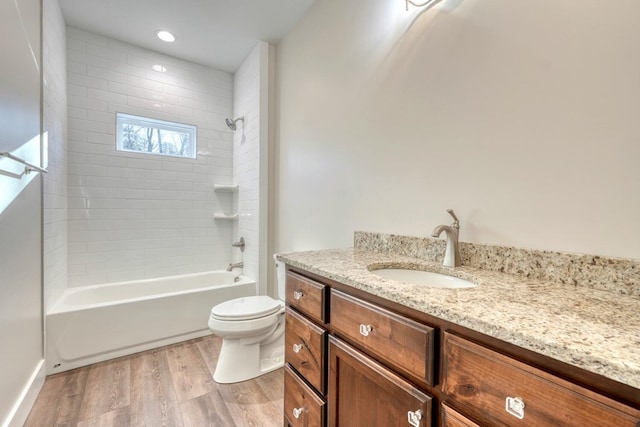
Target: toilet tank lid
x=246 y=308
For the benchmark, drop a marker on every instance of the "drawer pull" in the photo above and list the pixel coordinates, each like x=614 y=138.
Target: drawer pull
x=414 y=417
x=298 y=411
x=298 y=294
x=515 y=407
x=365 y=330
x=297 y=348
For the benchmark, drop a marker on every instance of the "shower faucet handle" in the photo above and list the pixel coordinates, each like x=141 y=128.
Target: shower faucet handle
x=239 y=244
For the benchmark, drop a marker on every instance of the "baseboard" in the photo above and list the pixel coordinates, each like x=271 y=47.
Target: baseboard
x=21 y=409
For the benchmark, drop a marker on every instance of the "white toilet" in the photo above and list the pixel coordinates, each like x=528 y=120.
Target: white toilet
x=252 y=331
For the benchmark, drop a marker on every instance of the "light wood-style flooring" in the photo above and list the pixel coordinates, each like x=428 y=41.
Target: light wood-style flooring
x=168 y=386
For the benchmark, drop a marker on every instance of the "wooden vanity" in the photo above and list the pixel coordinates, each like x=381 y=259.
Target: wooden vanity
x=355 y=359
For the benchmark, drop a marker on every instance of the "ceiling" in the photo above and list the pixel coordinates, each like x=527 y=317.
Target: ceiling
x=217 y=33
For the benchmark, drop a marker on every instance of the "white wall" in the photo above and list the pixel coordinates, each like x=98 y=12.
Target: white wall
x=518 y=115
x=21 y=332
x=248 y=143
x=55 y=127
x=135 y=216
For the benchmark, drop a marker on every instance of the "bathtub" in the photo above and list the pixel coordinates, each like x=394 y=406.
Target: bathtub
x=95 y=323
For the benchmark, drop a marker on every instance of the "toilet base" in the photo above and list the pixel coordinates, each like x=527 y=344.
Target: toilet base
x=243 y=359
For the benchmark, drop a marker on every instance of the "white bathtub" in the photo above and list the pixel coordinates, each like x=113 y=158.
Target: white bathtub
x=95 y=323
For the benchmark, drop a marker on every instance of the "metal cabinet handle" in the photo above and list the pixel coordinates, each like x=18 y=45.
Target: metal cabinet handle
x=515 y=407
x=298 y=411
x=414 y=417
x=297 y=348
x=298 y=294
x=365 y=330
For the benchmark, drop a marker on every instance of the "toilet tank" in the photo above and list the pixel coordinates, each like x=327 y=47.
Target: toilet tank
x=281 y=273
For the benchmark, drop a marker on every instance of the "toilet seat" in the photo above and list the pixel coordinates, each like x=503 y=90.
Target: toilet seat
x=246 y=308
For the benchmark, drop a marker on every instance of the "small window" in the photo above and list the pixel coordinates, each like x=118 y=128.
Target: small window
x=144 y=135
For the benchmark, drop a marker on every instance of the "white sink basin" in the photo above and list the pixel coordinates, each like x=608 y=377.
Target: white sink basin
x=424 y=278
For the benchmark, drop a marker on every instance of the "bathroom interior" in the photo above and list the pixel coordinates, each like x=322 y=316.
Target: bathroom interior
x=319 y=124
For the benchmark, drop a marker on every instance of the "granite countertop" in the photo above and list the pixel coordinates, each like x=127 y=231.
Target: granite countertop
x=593 y=329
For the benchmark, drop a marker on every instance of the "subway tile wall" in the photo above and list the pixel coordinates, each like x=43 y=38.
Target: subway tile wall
x=246 y=148
x=55 y=127
x=135 y=216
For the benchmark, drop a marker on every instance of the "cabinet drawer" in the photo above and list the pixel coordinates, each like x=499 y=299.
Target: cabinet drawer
x=363 y=393
x=302 y=406
x=305 y=349
x=307 y=296
x=399 y=342
x=452 y=418
x=504 y=391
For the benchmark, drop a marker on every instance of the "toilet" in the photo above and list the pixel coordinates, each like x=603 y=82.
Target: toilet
x=252 y=332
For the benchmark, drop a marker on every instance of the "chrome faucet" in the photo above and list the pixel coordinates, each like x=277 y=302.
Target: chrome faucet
x=452 y=252
x=239 y=244
x=235 y=265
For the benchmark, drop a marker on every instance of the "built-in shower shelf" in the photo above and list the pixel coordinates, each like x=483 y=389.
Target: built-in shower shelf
x=232 y=217
x=225 y=188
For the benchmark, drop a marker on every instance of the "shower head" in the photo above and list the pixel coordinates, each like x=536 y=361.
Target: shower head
x=232 y=123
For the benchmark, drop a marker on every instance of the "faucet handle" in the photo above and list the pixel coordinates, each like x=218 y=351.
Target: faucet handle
x=456 y=222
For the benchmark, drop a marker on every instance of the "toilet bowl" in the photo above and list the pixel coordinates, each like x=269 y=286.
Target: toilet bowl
x=252 y=332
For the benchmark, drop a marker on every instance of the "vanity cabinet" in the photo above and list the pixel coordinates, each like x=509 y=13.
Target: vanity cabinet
x=354 y=359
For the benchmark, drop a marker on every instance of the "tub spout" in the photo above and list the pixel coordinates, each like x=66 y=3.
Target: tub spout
x=235 y=265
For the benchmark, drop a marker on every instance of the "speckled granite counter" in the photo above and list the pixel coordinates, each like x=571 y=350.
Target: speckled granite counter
x=593 y=329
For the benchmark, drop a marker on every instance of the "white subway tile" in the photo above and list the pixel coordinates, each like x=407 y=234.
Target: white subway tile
x=106 y=52
x=161 y=77
x=126 y=89
x=77 y=67
x=107 y=74
x=84 y=80
x=76 y=44
x=77 y=113
x=101 y=138
x=144 y=83
x=87 y=103
x=77 y=270
x=106 y=95
x=186 y=93
x=126 y=68
x=161 y=97
x=100 y=116
x=86 y=58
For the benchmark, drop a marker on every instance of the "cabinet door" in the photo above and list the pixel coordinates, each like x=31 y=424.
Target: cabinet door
x=363 y=393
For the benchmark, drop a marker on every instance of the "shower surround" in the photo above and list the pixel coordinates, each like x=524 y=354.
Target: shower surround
x=136 y=216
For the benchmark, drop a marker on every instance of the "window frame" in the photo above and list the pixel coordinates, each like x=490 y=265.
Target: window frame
x=123 y=119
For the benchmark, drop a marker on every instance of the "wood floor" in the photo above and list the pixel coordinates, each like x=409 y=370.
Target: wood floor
x=168 y=386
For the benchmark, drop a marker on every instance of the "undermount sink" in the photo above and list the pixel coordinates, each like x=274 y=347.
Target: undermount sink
x=424 y=278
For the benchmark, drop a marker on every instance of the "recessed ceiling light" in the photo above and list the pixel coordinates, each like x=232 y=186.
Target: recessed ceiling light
x=159 y=68
x=165 y=36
